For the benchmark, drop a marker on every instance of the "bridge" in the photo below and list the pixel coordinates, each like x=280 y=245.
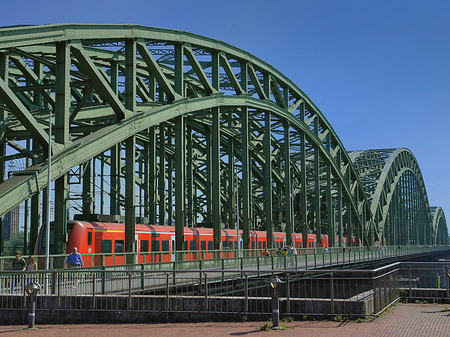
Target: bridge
x=168 y=127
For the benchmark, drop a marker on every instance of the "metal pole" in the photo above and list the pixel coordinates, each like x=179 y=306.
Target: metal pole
x=31 y=312
x=237 y=217
x=275 y=311
x=47 y=245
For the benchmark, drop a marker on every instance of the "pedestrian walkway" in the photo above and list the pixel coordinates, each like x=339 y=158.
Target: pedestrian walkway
x=403 y=320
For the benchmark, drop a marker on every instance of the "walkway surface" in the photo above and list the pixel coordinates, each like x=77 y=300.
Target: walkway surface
x=402 y=320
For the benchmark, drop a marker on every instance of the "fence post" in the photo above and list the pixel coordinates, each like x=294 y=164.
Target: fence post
x=129 y=292
x=332 y=294
x=103 y=280
x=142 y=278
x=93 y=290
x=245 y=293
x=375 y=294
x=167 y=292
x=409 y=277
x=288 y=294
x=206 y=291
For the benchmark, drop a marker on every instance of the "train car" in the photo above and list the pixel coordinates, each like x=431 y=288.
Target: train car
x=157 y=243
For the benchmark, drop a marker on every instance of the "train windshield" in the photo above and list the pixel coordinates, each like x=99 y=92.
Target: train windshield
x=43 y=238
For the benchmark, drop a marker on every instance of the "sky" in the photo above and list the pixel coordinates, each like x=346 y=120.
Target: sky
x=378 y=70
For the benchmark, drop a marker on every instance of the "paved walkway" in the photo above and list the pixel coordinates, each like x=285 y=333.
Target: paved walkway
x=403 y=320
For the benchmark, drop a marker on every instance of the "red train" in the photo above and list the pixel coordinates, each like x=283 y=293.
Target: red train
x=157 y=243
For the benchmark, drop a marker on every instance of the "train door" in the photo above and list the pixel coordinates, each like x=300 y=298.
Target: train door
x=136 y=248
x=172 y=248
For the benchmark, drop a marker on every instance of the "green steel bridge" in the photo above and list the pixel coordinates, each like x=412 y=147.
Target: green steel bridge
x=168 y=127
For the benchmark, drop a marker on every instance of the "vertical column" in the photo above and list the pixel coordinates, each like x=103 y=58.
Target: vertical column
x=215 y=156
x=288 y=186
x=317 y=219
x=170 y=160
x=116 y=155
x=267 y=189
x=130 y=146
x=303 y=187
x=180 y=152
x=245 y=183
x=331 y=233
x=162 y=174
x=180 y=158
x=62 y=113
x=4 y=76
x=87 y=191
x=349 y=223
x=339 y=202
x=232 y=209
x=190 y=177
x=152 y=179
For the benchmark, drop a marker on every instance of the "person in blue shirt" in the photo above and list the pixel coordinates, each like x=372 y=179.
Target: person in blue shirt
x=74 y=260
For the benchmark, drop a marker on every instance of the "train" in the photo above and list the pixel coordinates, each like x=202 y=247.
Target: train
x=156 y=243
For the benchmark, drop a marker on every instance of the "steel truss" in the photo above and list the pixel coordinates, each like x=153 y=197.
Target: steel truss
x=161 y=124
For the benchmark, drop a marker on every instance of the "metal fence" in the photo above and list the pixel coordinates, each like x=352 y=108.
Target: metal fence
x=321 y=293
x=308 y=258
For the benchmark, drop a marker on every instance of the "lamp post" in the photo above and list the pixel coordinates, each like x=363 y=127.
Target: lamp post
x=32 y=289
x=274 y=281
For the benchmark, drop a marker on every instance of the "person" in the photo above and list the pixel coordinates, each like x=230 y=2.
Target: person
x=265 y=252
x=325 y=250
x=18 y=264
x=31 y=266
x=74 y=260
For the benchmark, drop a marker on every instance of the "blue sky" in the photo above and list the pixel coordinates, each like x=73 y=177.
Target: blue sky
x=378 y=70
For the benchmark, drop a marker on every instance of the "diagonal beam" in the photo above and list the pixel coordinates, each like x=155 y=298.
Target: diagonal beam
x=199 y=70
x=99 y=82
x=156 y=71
x=256 y=84
x=33 y=78
x=231 y=76
x=23 y=115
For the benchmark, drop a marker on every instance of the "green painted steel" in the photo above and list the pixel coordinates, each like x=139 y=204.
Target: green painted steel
x=182 y=129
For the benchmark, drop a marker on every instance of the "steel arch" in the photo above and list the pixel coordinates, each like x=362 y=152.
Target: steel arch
x=395 y=187
x=439 y=225
x=177 y=116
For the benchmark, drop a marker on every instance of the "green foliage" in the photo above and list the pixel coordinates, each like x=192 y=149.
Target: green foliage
x=11 y=246
x=266 y=326
x=287 y=320
x=244 y=318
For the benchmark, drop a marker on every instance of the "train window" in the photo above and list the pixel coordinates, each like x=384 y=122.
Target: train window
x=224 y=245
x=155 y=246
x=119 y=246
x=185 y=245
x=144 y=245
x=259 y=245
x=193 y=245
x=210 y=245
x=106 y=246
x=89 y=239
x=253 y=245
x=264 y=244
x=203 y=245
x=230 y=245
x=165 y=245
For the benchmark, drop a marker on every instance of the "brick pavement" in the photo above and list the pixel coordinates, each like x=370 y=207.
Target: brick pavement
x=404 y=320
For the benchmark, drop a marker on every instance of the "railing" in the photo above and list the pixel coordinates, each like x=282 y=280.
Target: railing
x=304 y=292
x=314 y=293
x=303 y=258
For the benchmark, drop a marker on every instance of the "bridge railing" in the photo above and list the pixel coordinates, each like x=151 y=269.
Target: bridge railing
x=223 y=258
x=325 y=292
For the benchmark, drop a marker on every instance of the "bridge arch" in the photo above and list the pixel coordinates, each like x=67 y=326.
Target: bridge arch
x=395 y=187
x=169 y=127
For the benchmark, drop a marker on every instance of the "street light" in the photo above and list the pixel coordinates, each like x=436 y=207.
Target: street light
x=32 y=289
x=274 y=281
